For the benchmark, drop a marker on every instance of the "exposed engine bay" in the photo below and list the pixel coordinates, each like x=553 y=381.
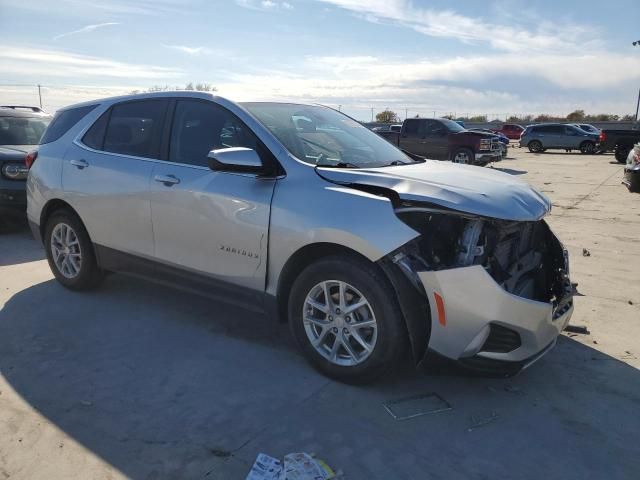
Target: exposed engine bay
x=523 y=257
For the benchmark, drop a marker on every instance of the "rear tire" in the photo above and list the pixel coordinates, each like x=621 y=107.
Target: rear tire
x=70 y=252
x=588 y=148
x=318 y=323
x=622 y=152
x=535 y=146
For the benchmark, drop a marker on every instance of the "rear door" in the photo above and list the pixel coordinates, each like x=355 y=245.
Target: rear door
x=106 y=175
x=212 y=224
x=412 y=138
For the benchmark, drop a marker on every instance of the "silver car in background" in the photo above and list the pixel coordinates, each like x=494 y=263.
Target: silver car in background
x=302 y=212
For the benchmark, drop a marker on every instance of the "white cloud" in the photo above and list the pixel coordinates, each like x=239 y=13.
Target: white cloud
x=87 y=29
x=193 y=51
x=264 y=4
x=450 y=24
x=38 y=63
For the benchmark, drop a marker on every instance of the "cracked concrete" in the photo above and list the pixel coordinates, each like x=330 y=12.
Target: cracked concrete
x=139 y=381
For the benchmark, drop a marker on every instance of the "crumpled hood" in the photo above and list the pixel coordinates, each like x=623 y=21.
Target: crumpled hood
x=466 y=188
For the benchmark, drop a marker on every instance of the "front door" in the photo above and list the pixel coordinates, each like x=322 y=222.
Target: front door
x=213 y=224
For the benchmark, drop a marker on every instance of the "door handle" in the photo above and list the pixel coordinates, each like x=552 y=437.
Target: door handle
x=167 y=180
x=79 y=163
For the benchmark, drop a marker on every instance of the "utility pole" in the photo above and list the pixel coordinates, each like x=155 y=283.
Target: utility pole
x=637 y=44
x=339 y=108
x=371 y=114
x=40 y=96
x=406 y=113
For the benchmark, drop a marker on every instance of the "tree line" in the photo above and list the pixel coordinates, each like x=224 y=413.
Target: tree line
x=577 y=116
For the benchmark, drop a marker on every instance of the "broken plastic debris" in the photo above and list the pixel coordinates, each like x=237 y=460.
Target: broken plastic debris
x=417 y=406
x=577 y=329
x=297 y=466
x=586 y=253
x=482 y=422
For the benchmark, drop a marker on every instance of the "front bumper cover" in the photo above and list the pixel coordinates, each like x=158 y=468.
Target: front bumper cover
x=471 y=301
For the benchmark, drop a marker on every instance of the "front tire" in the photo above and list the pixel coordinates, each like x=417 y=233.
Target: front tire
x=463 y=156
x=70 y=252
x=347 y=323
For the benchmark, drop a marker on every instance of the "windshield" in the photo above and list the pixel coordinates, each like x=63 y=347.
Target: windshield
x=22 y=130
x=321 y=136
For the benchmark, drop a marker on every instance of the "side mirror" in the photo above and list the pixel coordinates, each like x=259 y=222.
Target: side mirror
x=235 y=159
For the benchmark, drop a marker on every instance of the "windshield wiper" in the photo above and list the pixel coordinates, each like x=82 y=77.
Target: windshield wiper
x=338 y=165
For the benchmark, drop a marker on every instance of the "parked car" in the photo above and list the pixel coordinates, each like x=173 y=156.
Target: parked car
x=587 y=127
x=20 y=131
x=511 y=130
x=443 y=139
x=632 y=169
x=301 y=211
x=388 y=128
x=504 y=140
x=538 y=138
x=619 y=141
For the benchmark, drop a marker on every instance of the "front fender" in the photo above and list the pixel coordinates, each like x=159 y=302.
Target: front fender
x=316 y=211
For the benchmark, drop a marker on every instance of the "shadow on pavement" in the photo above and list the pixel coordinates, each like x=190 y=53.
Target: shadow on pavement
x=17 y=245
x=163 y=384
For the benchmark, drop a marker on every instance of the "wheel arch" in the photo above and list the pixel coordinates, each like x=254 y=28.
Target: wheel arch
x=414 y=305
x=52 y=206
x=300 y=260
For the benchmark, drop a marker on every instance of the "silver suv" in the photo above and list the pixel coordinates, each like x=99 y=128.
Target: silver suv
x=538 y=138
x=302 y=212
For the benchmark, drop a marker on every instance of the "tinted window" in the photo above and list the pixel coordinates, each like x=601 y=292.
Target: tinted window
x=63 y=121
x=199 y=127
x=94 y=137
x=135 y=128
x=413 y=127
x=22 y=130
x=433 y=127
x=571 y=131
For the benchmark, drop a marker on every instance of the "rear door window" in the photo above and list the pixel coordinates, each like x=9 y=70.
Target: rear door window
x=413 y=127
x=63 y=121
x=199 y=127
x=135 y=128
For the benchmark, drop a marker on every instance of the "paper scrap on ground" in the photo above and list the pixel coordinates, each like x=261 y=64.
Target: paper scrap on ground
x=266 y=468
x=297 y=466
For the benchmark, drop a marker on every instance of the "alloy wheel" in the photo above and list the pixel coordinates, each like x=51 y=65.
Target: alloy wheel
x=340 y=323
x=461 y=157
x=65 y=250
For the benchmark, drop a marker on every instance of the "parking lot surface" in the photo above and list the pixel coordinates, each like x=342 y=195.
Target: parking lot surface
x=140 y=381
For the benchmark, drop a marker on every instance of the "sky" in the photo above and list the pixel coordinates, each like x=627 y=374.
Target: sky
x=422 y=57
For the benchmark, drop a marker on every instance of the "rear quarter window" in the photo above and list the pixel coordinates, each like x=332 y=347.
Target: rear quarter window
x=63 y=121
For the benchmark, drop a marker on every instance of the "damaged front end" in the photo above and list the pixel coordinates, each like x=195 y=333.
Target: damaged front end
x=498 y=291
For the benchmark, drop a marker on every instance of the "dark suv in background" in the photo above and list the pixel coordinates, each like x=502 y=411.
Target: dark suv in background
x=20 y=131
x=538 y=138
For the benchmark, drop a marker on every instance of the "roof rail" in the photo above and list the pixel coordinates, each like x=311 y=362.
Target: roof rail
x=26 y=107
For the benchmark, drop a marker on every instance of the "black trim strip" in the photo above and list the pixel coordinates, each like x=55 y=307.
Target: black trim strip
x=219 y=290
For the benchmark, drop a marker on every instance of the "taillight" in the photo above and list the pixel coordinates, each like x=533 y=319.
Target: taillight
x=602 y=137
x=30 y=158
